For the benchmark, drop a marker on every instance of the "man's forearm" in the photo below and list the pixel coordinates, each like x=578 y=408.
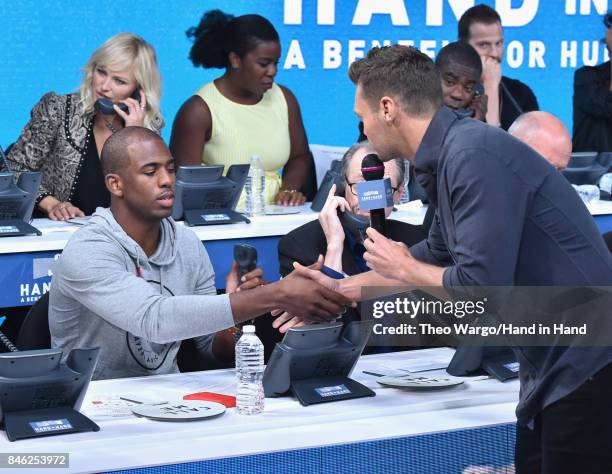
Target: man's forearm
x=420 y=274
x=255 y=302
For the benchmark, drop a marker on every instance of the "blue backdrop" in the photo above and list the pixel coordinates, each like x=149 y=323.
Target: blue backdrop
x=45 y=43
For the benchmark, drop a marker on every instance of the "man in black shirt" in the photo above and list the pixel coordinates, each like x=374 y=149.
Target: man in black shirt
x=481 y=27
x=593 y=103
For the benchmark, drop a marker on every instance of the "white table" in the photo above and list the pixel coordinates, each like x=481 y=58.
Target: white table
x=27 y=262
x=478 y=414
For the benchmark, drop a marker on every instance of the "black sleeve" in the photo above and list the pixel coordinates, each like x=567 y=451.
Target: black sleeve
x=291 y=250
x=591 y=94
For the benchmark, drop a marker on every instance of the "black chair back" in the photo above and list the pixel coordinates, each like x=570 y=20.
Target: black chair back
x=34 y=332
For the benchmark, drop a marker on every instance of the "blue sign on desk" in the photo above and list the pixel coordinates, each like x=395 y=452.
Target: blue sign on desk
x=25 y=277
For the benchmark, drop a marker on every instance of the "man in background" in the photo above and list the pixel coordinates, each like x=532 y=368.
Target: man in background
x=480 y=26
x=546 y=134
x=593 y=102
x=460 y=71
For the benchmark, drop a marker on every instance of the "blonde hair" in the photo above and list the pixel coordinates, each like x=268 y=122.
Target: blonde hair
x=121 y=52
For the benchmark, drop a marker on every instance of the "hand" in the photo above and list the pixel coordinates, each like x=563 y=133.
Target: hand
x=63 y=211
x=291 y=197
x=479 y=106
x=136 y=110
x=304 y=298
x=328 y=217
x=285 y=321
x=385 y=256
x=249 y=280
x=491 y=72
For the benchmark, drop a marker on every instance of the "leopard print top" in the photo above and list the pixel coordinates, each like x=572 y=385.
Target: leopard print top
x=55 y=141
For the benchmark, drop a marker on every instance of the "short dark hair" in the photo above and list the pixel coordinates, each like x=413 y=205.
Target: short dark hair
x=115 y=155
x=219 y=34
x=401 y=71
x=477 y=14
x=459 y=53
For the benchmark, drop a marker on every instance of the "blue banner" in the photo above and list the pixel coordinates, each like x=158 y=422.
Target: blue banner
x=44 y=45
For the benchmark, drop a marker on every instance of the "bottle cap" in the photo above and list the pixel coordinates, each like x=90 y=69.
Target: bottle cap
x=249 y=328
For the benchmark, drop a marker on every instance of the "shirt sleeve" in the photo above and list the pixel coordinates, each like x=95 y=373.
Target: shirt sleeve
x=432 y=250
x=37 y=140
x=591 y=94
x=487 y=220
x=119 y=296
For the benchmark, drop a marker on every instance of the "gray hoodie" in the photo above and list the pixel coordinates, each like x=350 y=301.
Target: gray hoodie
x=106 y=292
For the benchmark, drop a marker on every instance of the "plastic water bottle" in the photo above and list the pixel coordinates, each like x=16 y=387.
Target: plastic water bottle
x=587 y=192
x=249 y=370
x=255 y=188
x=605 y=183
x=406 y=196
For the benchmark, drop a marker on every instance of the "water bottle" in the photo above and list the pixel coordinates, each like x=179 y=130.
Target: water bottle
x=605 y=183
x=255 y=189
x=587 y=192
x=406 y=196
x=249 y=371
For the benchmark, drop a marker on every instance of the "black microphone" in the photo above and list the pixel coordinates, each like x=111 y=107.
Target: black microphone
x=373 y=169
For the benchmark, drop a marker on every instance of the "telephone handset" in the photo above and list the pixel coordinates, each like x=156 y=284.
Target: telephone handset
x=105 y=106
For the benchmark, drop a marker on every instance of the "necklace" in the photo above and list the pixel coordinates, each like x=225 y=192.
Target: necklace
x=109 y=125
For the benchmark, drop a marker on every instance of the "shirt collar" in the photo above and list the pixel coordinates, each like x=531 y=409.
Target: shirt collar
x=428 y=154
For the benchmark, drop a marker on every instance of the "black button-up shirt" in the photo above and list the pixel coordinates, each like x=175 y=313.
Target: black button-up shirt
x=506 y=217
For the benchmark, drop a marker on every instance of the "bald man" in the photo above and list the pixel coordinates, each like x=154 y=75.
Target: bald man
x=135 y=284
x=546 y=134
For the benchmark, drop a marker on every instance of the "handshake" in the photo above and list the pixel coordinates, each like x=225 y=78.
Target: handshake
x=304 y=296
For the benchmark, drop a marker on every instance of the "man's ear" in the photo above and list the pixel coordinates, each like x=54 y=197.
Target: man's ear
x=389 y=109
x=114 y=184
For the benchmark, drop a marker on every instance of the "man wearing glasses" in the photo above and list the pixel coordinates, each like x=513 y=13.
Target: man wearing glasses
x=337 y=234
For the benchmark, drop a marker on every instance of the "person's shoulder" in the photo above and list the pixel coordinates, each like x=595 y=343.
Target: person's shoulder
x=515 y=84
x=586 y=72
x=303 y=236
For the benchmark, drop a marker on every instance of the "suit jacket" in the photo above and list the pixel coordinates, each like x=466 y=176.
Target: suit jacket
x=307 y=242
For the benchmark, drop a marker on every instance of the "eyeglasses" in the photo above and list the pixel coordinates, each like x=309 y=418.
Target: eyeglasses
x=351 y=186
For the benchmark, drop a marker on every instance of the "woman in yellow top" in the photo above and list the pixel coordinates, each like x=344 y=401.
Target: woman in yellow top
x=243 y=112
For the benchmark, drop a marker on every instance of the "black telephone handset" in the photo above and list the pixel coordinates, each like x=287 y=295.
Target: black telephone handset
x=465 y=113
x=246 y=258
x=105 y=106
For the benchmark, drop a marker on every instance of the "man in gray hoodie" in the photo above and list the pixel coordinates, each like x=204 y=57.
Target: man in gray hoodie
x=135 y=283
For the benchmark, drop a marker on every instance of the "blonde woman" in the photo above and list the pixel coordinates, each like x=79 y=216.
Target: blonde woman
x=66 y=133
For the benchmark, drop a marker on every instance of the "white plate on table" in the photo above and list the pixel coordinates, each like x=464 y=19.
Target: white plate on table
x=419 y=381
x=180 y=410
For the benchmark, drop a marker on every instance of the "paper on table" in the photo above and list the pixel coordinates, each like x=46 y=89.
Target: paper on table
x=47 y=226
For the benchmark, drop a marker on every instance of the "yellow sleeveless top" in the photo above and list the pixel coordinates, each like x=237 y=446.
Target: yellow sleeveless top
x=241 y=131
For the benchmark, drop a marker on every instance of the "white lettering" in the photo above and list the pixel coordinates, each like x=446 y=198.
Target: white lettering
x=394 y=8
x=536 y=54
x=356 y=50
x=294 y=56
x=292 y=12
x=515 y=54
x=429 y=47
x=569 y=53
x=35 y=290
x=519 y=16
x=24 y=289
x=435 y=8
x=332 y=54
x=326 y=12
x=590 y=53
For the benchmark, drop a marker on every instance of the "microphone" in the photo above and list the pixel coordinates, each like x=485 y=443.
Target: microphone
x=375 y=193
